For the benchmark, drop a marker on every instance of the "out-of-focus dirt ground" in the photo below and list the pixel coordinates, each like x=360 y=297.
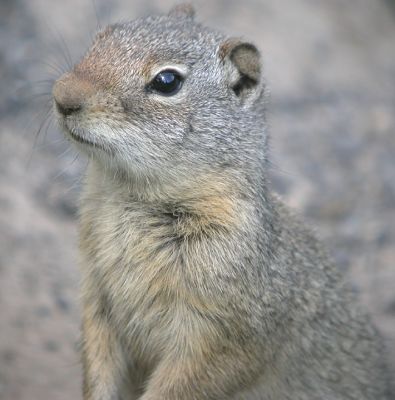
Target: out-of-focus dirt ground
x=330 y=67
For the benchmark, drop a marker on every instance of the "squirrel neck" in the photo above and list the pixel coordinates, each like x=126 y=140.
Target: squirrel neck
x=224 y=198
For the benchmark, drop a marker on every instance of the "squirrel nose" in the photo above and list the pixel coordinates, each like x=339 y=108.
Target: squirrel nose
x=70 y=93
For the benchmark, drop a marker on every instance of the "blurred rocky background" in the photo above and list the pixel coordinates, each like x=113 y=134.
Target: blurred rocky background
x=330 y=68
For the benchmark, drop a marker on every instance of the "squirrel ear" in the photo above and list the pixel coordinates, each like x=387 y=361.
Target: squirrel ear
x=185 y=10
x=243 y=66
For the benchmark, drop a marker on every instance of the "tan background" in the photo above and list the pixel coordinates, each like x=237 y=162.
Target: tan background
x=330 y=66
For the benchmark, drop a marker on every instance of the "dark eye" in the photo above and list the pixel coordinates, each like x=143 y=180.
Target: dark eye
x=167 y=82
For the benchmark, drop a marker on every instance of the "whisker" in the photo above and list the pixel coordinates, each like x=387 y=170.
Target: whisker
x=98 y=24
x=64 y=49
x=63 y=170
x=36 y=96
x=51 y=143
x=36 y=136
x=47 y=128
x=68 y=150
x=43 y=81
x=76 y=184
x=42 y=113
x=57 y=69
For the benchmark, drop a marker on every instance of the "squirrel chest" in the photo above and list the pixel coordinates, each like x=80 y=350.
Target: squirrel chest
x=153 y=269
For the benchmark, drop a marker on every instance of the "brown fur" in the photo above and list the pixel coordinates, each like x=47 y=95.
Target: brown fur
x=161 y=283
x=102 y=356
x=198 y=284
x=227 y=46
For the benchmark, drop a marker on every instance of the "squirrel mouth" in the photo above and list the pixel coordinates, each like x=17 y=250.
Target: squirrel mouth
x=78 y=138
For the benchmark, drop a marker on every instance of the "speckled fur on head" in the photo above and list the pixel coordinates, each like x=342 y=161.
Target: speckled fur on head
x=198 y=284
x=152 y=137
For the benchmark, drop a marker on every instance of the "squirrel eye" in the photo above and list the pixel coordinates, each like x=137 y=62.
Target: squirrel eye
x=167 y=82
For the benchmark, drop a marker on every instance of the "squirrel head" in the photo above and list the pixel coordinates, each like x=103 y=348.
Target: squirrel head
x=165 y=97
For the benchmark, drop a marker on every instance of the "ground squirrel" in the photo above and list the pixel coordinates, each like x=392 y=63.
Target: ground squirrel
x=197 y=282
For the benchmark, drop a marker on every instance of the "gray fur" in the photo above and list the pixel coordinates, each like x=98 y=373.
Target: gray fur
x=198 y=282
